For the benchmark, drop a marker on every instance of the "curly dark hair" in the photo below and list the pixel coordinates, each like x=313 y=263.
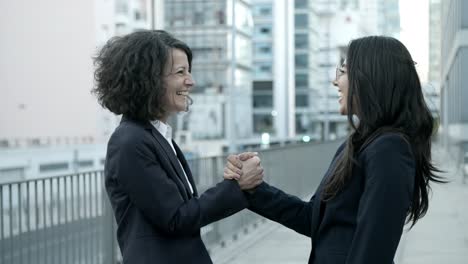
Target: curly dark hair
x=129 y=71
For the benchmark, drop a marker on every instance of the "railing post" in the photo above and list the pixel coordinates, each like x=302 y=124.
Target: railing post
x=109 y=256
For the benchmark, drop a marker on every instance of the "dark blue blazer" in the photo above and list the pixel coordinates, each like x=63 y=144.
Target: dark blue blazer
x=364 y=222
x=158 y=218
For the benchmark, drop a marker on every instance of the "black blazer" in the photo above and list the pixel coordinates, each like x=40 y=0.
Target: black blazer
x=364 y=222
x=158 y=218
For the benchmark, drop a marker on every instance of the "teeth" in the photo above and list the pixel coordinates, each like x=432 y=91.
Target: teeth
x=182 y=93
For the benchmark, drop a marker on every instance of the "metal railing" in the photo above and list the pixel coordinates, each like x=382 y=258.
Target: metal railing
x=68 y=219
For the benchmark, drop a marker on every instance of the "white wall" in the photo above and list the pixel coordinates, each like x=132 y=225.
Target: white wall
x=46 y=69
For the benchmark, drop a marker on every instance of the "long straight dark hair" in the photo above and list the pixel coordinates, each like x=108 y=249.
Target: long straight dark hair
x=385 y=93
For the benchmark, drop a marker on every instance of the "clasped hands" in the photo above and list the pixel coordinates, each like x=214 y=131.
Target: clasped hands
x=246 y=168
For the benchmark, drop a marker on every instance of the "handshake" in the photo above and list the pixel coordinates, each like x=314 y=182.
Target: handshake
x=246 y=169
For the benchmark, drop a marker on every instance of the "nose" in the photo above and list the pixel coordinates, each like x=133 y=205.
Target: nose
x=189 y=81
x=335 y=83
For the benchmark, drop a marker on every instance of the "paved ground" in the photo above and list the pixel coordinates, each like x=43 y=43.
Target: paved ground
x=441 y=237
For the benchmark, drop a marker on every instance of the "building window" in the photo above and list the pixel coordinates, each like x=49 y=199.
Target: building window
x=301 y=41
x=262 y=86
x=263 y=49
x=263 y=123
x=198 y=18
x=301 y=21
x=302 y=100
x=302 y=81
x=53 y=166
x=262 y=9
x=263 y=68
x=263 y=30
x=301 y=61
x=303 y=123
x=262 y=101
x=137 y=15
x=301 y=3
x=85 y=163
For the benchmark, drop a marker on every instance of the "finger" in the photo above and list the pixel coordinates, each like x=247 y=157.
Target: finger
x=247 y=155
x=234 y=169
x=234 y=160
x=229 y=171
x=231 y=176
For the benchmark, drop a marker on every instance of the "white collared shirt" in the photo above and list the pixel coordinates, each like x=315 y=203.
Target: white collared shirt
x=166 y=131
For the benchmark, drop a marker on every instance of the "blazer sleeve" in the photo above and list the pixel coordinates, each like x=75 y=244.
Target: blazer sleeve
x=283 y=208
x=390 y=171
x=140 y=175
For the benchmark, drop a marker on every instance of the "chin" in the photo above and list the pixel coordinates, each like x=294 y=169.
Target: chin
x=343 y=111
x=181 y=109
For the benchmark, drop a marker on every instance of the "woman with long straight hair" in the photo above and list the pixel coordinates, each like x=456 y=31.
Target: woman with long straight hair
x=379 y=177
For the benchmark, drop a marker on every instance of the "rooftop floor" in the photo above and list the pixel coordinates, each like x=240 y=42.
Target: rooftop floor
x=440 y=237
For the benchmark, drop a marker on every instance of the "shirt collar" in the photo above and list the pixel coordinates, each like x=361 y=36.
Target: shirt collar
x=164 y=129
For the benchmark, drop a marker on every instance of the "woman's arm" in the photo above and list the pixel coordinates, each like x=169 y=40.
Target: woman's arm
x=390 y=170
x=283 y=208
x=136 y=169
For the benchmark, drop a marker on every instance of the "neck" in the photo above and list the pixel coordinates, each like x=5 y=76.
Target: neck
x=164 y=119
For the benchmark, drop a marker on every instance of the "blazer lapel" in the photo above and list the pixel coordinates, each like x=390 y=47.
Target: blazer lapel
x=186 y=166
x=169 y=153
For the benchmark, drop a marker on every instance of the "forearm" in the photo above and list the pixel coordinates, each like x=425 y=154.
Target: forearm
x=221 y=201
x=280 y=207
x=216 y=203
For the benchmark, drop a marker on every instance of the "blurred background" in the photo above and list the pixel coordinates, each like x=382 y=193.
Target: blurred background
x=263 y=72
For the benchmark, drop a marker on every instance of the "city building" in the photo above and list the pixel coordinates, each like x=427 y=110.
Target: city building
x=388 y=18
x=432 y=88
x=340 y=21
x=50 y=122
x=454 y=51
x=307 y=71
x=434 y=42
x=220 y=36
x=273 y=69
x=117 y=18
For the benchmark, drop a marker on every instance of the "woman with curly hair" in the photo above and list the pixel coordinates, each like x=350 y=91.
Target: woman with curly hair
x=379 y=177
x=146 y=77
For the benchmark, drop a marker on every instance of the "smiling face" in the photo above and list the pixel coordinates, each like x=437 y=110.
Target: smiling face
x=342 y=83
x=178 y=82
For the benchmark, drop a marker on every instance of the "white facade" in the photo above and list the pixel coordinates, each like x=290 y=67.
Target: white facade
x=50 y=123
x=46 y=72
